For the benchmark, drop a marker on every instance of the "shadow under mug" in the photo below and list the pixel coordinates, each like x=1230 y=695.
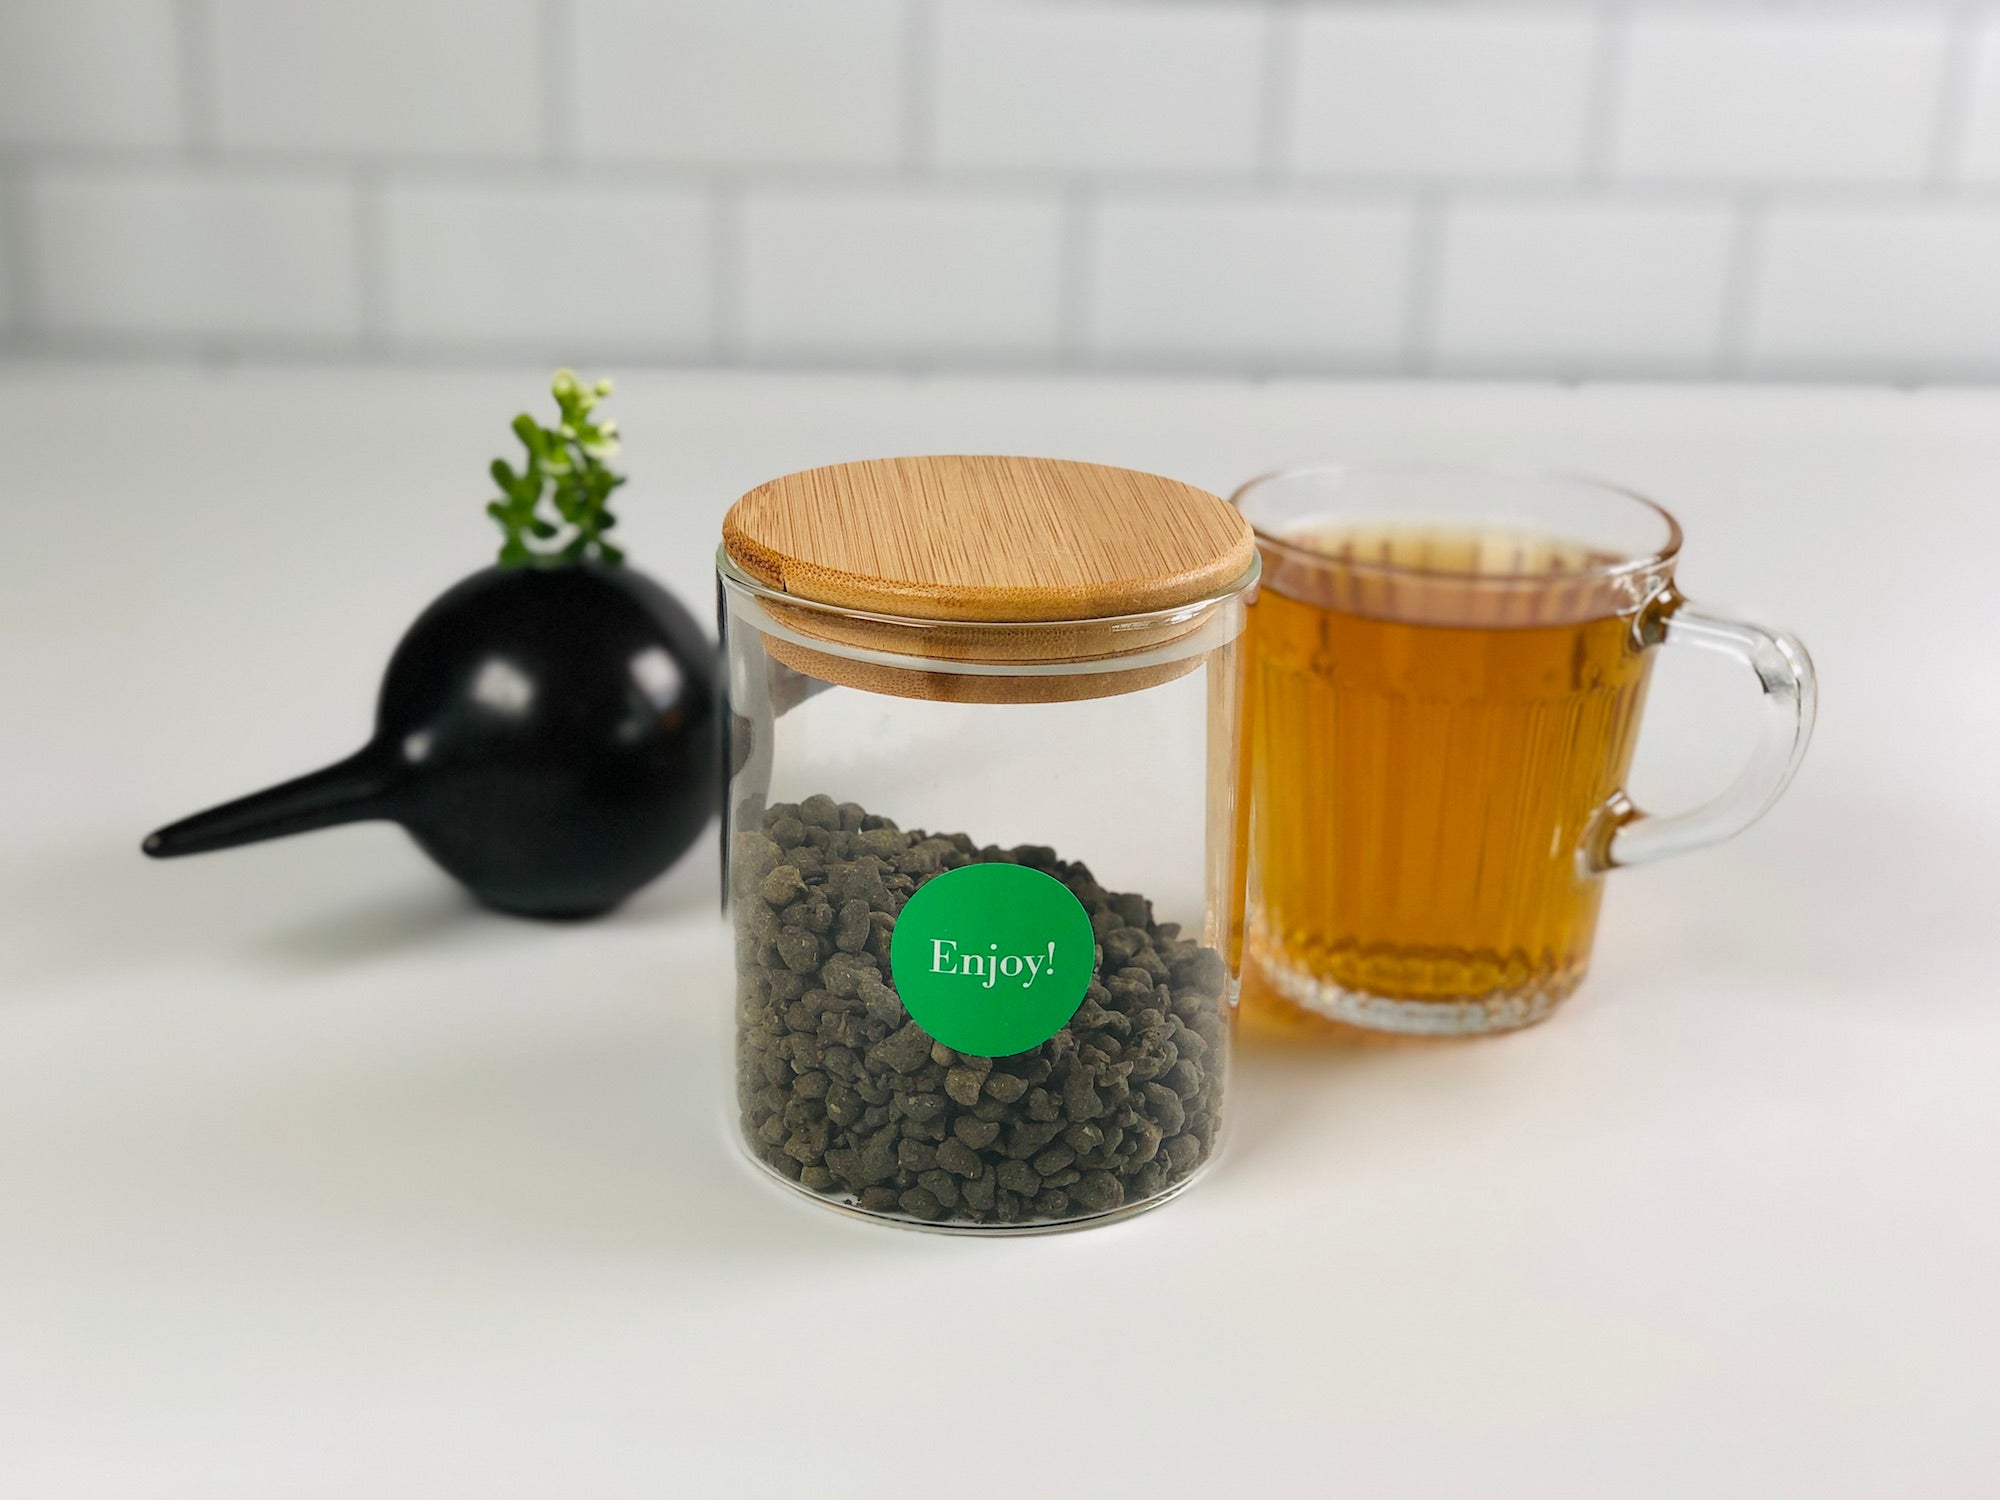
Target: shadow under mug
x=1445 y=673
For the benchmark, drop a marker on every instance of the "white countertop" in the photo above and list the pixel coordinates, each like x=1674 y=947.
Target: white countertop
x=317 y=1181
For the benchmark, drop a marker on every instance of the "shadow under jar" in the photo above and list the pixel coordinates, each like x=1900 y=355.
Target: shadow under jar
x=978 y=843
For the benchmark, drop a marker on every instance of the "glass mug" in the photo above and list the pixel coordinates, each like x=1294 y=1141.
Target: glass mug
x=1446 y=670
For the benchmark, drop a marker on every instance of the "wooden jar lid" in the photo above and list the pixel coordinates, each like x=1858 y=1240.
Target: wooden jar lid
x=974 y=538
x=983 y=541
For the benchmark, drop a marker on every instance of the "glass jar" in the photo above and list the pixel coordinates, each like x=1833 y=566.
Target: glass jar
x=979 y=848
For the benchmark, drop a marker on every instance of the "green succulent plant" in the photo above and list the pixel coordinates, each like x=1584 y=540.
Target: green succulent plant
x=555 y=510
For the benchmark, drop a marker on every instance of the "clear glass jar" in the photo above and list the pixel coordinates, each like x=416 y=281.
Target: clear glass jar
x=872 y=755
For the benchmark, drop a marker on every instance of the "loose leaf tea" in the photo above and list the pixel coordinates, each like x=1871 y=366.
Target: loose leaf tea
x=843 y=1093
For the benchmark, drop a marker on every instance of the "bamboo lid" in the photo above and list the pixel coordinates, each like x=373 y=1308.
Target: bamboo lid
x=983 y=541
x=974 y=538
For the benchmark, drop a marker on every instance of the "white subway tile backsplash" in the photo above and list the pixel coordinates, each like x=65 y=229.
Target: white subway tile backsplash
x=400 y=77
x=1231 y=280
x=901 y=275
x=1567 y=187
x=1982 y=129
x=1404 y=91
x=1572 y=287
x=562 y=270
x=1800 y=96
x=243 y=258
x=89 y=73
x=1889 y=291
x=1094 y=84
x=740 y=81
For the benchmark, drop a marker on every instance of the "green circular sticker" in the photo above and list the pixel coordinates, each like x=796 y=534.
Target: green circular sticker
x=992 y=959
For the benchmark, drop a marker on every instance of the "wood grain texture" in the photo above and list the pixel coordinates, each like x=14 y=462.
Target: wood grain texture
x=955 y=537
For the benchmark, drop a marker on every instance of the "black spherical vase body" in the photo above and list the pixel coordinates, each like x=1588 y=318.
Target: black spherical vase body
x=547 y=735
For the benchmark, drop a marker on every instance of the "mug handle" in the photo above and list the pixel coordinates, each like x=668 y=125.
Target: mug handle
x=1620 y=833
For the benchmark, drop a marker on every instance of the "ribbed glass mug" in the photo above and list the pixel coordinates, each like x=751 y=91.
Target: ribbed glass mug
x=1447 y=669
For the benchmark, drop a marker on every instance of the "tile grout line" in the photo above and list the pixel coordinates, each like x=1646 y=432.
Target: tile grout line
x=1073 y=274
x=1420 y=309
x=1951 y=128
x=23 y=327
x=725 y=272
x=108 y=350
x=193 y=54
x=555 y=25
x=371 y=260
x=466 y=170
x=1277 y=101
x=918 y=120
x=1740 y=285
x=1597 y=167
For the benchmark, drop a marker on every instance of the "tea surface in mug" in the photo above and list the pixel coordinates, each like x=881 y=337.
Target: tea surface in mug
x=1426 y=748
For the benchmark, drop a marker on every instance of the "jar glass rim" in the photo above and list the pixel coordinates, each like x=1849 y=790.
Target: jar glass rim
x=1651 y=560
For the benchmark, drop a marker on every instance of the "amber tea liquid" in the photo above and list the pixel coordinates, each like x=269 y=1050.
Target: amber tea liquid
x=1432 y=720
